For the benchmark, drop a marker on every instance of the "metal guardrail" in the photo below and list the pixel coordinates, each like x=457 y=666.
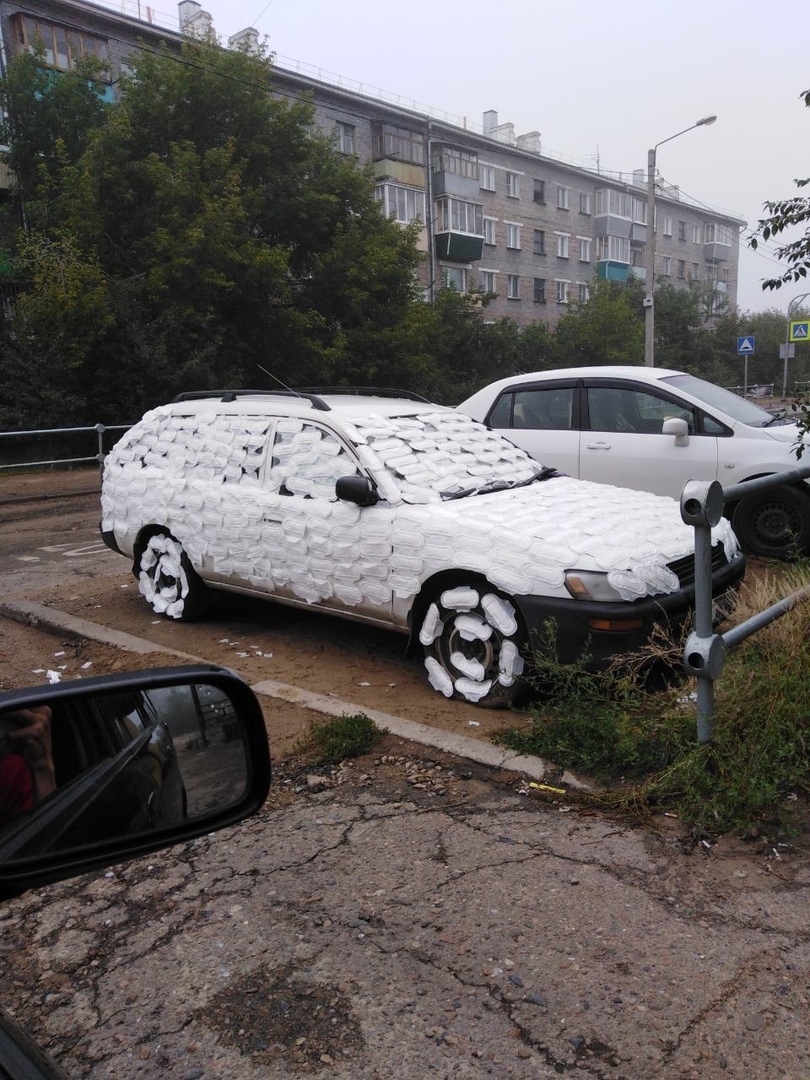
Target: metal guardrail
x=705 y=652
x=99 y=429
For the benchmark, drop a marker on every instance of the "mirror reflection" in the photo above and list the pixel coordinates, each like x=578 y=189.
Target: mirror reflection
x=88 y=769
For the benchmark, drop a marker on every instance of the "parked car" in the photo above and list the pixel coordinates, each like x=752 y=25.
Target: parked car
x=401 y=514
x=106 y=733
x=653 y=429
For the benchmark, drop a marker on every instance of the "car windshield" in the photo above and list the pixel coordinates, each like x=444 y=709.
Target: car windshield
x=440 y=455
x=738 y=408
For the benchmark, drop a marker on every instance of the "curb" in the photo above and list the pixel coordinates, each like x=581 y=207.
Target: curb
x=49 y=619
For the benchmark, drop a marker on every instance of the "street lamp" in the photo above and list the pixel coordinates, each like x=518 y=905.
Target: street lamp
x=794 y=303
x=649 y=312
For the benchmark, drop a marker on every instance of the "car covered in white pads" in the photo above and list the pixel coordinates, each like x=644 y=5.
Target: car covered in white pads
x=401 y=514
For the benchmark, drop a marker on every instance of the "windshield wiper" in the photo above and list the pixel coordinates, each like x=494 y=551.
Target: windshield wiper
x=501 y=485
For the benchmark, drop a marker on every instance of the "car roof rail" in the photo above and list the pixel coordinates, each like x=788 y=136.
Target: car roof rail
x=373 y=391
x=229 y=396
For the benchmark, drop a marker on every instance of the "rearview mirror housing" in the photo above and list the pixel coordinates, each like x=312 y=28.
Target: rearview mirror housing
x=140 y=761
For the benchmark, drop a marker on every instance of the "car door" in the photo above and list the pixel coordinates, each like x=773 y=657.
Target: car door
x=541 y=419
x=622 y=441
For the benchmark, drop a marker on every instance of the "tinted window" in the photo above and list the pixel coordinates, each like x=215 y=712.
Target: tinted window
x=547 y=408
x=619 y=408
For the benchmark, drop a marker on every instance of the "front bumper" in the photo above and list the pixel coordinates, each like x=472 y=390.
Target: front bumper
x=579 y=637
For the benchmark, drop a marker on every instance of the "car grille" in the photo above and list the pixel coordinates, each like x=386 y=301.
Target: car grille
x=685 y=567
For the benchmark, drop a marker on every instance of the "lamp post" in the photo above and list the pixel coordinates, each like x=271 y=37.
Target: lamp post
x=649 y=309
x=794 y=303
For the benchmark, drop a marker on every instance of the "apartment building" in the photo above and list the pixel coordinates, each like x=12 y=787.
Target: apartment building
x=496 y=213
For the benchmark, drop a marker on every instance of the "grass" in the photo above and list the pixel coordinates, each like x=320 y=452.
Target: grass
x=345 y=736
x=756 y=769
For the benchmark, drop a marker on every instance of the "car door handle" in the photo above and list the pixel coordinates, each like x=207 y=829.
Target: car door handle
x=597 y=446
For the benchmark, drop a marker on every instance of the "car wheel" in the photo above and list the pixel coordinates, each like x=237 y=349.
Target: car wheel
x=472 y=639
x=167 y=579
x=773 y=524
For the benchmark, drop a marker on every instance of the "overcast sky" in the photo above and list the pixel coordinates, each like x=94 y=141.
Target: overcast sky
x=601 y=80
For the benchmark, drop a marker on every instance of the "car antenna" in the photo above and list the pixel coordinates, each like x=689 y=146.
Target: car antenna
x=289 y=389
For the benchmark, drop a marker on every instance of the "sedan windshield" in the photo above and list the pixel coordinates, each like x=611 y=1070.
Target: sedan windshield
x=717 y=397
x=440 y=455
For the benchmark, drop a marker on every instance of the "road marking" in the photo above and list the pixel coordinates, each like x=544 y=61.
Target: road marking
x=28 y=558
x=96 y=547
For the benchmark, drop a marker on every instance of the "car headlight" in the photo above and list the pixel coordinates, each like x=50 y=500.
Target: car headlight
x=590 y=585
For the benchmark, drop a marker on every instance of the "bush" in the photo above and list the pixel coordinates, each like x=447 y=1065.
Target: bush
x=331 y=741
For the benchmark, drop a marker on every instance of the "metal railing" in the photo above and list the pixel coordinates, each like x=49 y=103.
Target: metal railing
x=705 y=652
x=99 y=430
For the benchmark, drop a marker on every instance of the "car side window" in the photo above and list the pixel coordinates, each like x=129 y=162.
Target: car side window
x=307 y=461
x=536 y=408
x=622 y=409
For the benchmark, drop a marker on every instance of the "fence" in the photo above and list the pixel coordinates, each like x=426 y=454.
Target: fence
x=29 y=438
x=705 y=652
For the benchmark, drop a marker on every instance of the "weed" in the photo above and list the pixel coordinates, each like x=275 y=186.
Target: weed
x=746 y=779
x=346 y=736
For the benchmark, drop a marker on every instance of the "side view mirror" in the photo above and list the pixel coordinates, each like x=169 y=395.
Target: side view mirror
x=678 y=427
x=357 y=489
x=99 y=770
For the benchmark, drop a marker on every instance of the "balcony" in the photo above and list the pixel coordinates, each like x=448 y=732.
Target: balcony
x=459 y=247
x=614 y=271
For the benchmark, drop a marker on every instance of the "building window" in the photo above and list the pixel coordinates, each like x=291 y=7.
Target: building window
x=513 y=185
x=562 y=197
x=401 y=203
x=584 y=249
x=584 y=203
x=486 y=177
x=681 y=230
x=459 y=162
x=681 y=269
x=487 y=280
x=539 y=242
x=512 y=235
x=718 y=234
x=489 y=231
x=345 y=138
x=400 y=144
x=455 y=215
x=666 y=266
x=696 y=234
x=562 y=245
x=540 y=192
x=513 y=286
x=584 y=292
x=454 y=277
x=62 y=48
x=539 y=290
x=613 y=249
x=667 y=226
x=695 y=275
x=562 y=291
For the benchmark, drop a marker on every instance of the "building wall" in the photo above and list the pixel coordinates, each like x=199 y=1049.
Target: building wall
x=531 y=280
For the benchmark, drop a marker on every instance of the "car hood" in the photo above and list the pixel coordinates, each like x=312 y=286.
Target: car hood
x=787 y=433
x=525 y=539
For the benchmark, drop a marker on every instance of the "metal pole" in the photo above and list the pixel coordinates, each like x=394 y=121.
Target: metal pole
x=791 y=307
x=649 y=299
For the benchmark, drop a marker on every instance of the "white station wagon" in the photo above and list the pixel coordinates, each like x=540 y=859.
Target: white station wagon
x=400 y=514
x=654 y=429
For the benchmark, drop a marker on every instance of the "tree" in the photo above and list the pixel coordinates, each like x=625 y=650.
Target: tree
x=196 y=231
x=608 y=328
x=785 y=214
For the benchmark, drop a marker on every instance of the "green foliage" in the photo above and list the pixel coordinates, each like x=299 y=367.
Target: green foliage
x=346 y=736
x=784 y=215
x=747 y=779
x=608 y=328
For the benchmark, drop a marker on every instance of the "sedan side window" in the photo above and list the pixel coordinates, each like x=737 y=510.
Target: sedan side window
x=619 y=408
x=547 y=409
x=306 y=460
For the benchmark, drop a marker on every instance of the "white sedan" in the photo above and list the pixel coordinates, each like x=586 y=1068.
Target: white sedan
x=653 y=429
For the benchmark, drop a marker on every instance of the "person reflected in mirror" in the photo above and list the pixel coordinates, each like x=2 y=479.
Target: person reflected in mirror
x=27 y=772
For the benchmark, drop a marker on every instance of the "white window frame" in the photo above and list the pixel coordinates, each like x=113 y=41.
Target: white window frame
x=486 y=177
x=696 y=234
x=404 y=204
x=490 y=236
x=346 y=137
x=512 y=185
x=513 y=235
x=563 y=244
x=585 y=203
x=584 y=292
x=513 y=286
x=667 y=229
x=488 y=280
x=584 y=248
x=462 y=271
x=562 y=290
x=563 y=193
x=666 y=266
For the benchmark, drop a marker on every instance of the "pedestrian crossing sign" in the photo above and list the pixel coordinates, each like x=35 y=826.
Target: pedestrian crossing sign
x=800 y=331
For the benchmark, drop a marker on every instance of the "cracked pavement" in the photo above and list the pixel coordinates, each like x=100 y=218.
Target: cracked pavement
x=409 y=915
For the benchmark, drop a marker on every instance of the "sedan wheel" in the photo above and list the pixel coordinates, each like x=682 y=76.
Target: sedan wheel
x=168 y=581
x=774 y=524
